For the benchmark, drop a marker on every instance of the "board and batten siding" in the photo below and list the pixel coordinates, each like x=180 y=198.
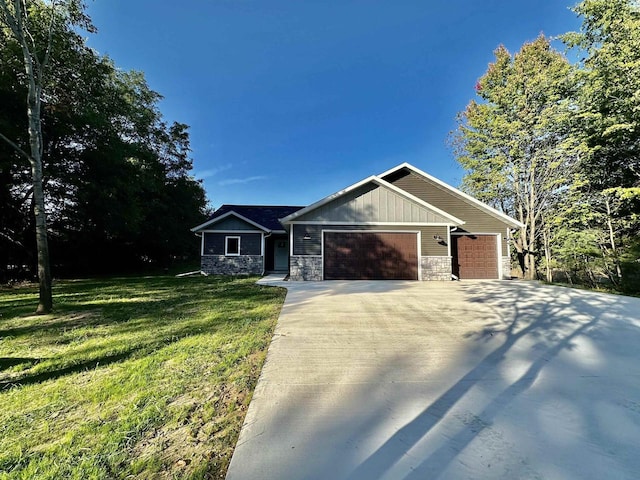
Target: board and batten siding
x=250 y=243
x=373 y=203
x=476 y=219
x=313 y=245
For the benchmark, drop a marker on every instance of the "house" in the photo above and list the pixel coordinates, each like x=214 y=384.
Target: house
x=403 y=224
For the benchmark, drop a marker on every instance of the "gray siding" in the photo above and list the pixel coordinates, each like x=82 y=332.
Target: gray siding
x=477 y=220
x=373 y=203
x=313 y=246
x=231 y=223
x=250 y=243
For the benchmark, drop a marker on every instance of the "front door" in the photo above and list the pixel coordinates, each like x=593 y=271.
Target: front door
x=281 y=254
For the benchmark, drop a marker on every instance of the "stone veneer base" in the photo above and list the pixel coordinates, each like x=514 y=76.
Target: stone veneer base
x=436 y=268
x=224 y=265
x=506 y=268
x=305 y=268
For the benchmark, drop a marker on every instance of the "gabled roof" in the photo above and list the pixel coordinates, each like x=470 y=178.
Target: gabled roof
x=490 y=210
x=379 y=181
x=264 y=217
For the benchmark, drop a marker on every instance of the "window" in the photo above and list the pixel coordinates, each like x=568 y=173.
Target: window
x=232 y=246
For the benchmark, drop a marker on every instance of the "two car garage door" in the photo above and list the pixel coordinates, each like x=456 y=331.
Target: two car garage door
x=394 y=256
x=370 y=256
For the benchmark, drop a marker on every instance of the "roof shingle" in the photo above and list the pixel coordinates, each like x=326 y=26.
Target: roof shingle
x=265 y=215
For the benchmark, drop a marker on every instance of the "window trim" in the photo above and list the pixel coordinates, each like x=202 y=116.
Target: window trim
x=226 y=245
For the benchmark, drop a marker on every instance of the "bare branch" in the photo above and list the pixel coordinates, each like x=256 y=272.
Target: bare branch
x=17 y=148
x=11 y=239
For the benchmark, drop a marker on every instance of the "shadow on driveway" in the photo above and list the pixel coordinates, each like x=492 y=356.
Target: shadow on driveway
x=402 y=380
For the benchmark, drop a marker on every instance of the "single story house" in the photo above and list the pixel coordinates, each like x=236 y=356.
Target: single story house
x=403 y=224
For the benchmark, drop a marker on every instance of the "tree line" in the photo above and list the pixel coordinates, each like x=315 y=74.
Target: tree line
x=556 y=144
x=117 y=193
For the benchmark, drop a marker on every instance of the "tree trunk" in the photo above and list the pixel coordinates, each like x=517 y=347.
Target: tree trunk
x=612 y=240
x=547 y=255
x=34 y=95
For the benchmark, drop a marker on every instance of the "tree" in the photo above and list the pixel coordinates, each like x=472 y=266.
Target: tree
x=610 y=97
x=17 y=17
x=117 y=183
x=609 y=114
x=516 y=142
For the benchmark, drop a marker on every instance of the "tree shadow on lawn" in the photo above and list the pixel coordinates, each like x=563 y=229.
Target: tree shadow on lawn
x=142 y=314
x=555 y=323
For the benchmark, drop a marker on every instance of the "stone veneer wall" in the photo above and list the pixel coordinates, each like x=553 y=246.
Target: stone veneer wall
x=305 y=268
x=223 y=265
x=436 y=268
x=506 y=268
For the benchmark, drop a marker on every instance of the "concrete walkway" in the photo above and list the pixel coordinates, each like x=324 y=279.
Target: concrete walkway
x=454 y=380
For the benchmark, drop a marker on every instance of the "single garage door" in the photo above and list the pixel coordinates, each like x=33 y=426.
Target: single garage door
x=475 y=256
x=370 y=256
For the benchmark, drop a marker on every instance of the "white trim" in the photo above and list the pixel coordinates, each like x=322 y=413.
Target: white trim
x=474 y=233
x=232 y=231
x=226 y=246
x=409 y=224
x=419 y=255
x=262 y=246
x=497 y=213
x=290 y=243
x=202 y=245
x=499 y=238
x=229 y=213
x=329 y=230
x=326 y=200
x=449 y=242
x=380 y=182
x=400 y=191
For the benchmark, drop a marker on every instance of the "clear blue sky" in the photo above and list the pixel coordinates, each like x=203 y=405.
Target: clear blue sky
x=290 y=101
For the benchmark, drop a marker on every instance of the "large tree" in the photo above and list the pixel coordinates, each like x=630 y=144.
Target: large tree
x=36 y=45
x=515 y=141
x=607 y=196
x=117 y=184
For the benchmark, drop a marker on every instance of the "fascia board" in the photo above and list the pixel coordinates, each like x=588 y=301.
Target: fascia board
x=326 y=200
x=419 y=201
x=492 y=211
x=229 y=213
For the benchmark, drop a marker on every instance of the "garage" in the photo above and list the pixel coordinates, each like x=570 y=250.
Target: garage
x=475 y=256
x=370 y=256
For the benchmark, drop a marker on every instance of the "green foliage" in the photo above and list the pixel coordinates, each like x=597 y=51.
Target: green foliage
x=558 y=146
x=610 y=98
x=118 y=187
x=145 y=377
x=515 y=143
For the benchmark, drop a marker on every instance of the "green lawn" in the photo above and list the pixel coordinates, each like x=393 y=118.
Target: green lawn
x=130 y=378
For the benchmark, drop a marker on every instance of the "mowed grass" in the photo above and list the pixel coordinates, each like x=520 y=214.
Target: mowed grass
x=130 y=378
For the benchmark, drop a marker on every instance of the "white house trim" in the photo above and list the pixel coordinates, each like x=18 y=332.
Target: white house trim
x=380 y=182
x=229 y=213
x=492 y=211
x=397 y=224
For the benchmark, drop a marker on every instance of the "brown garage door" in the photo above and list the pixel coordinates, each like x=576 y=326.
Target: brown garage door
x=370 y=256
x=475 y=256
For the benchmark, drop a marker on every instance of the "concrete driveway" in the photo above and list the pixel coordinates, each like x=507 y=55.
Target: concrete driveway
x=409 y=380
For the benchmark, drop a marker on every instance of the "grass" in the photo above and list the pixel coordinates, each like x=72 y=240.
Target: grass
x=131 y=377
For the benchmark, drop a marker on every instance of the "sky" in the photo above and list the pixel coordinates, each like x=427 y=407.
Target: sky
x=291 y=101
